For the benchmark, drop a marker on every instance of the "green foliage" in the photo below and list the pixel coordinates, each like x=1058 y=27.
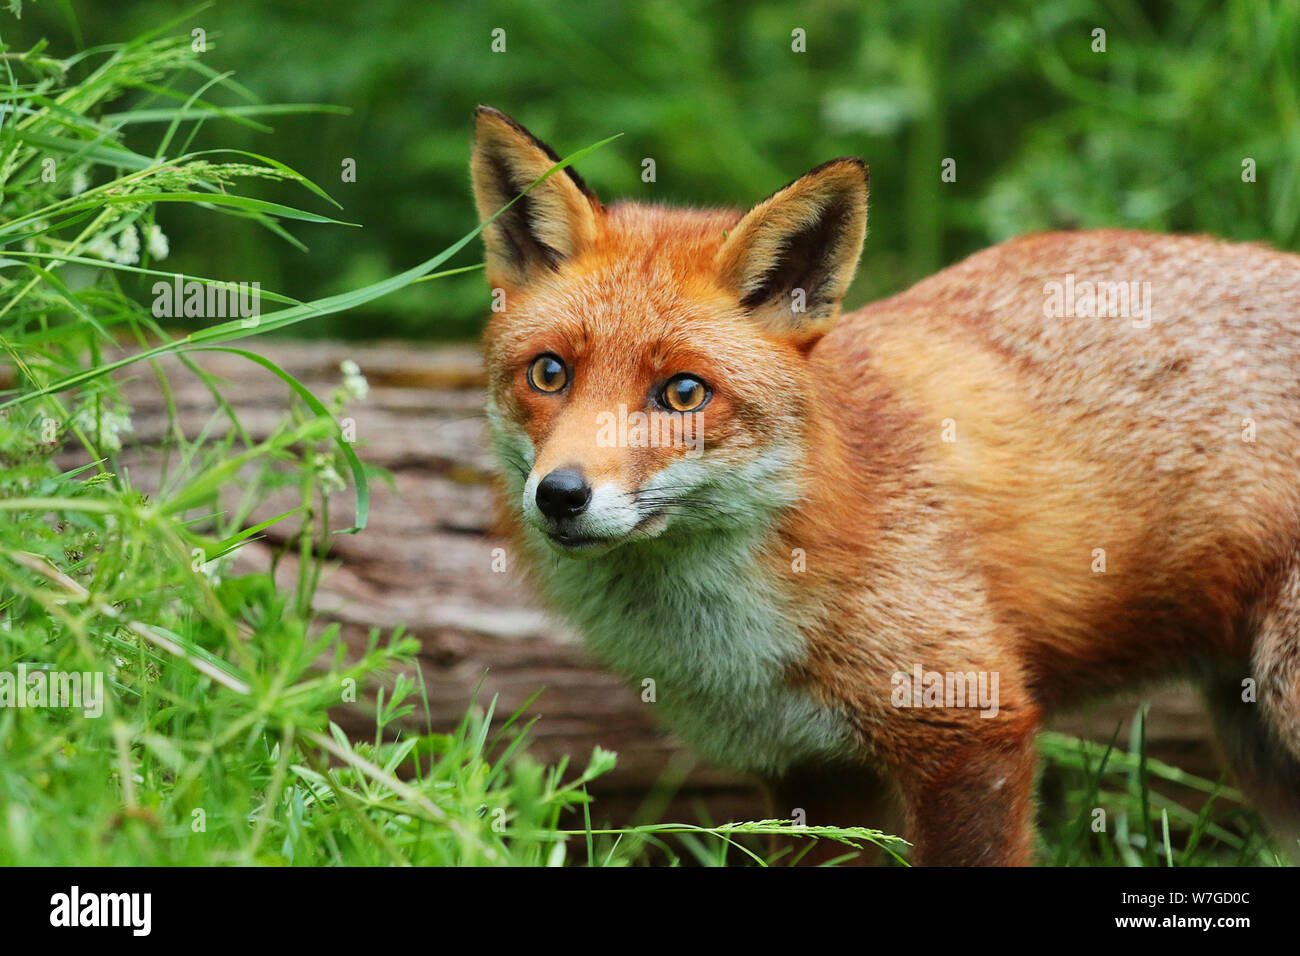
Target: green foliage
x=1045 y=132
x=1105 y=806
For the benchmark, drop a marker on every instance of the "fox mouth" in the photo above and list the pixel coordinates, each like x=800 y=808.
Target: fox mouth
x=579 y=543
x=575 y=543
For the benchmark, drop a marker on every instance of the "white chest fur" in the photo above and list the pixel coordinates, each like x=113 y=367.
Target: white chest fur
x=694 y=615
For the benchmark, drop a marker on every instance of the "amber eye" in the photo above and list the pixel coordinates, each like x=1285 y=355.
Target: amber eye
x=547 y=373
x=685 y=393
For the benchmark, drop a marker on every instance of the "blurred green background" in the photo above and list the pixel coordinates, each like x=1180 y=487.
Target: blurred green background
x=1045 y=132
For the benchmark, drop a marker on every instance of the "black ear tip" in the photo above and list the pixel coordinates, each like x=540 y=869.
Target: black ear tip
x=484 y=112
x=856 y=161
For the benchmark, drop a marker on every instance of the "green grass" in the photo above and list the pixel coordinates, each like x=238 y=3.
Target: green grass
x=1104 y=805
x=215 y=744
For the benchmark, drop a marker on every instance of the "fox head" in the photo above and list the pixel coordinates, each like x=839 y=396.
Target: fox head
x=648 y=367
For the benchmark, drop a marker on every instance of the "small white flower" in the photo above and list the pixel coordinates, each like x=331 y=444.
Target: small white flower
x=156 y=242
x=126 y=251
x=330 y=480
x=80 y=182
x=103 y=247
x=128 y=246
x=212 y=571
x=106 y=429
x=354 y=383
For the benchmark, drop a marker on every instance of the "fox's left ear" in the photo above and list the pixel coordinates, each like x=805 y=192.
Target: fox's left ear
x=552 y=223
x=791 y=258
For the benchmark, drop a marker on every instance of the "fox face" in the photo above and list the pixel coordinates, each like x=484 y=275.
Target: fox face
x=648 y=371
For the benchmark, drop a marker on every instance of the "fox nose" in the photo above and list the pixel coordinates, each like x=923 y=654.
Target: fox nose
x=563 y=493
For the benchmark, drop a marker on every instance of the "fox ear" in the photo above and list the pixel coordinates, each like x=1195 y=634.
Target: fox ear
x=550 y=224
x=791 y=258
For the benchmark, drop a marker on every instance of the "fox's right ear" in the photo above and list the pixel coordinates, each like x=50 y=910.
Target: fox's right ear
x=553 y=222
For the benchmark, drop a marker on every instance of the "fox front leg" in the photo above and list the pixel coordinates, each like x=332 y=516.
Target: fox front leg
x=971 y=802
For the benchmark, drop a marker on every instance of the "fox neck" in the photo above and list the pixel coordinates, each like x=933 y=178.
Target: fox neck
x=696 y=623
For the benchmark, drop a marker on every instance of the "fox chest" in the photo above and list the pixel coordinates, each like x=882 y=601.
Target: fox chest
x=707 y=647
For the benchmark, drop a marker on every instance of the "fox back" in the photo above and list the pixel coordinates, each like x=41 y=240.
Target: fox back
x=1068 y=463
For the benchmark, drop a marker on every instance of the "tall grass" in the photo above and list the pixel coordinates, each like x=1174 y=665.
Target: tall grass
x=1107 y=805
x=211 y=742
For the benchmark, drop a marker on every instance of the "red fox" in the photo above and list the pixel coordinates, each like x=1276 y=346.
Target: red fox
x=861 y=556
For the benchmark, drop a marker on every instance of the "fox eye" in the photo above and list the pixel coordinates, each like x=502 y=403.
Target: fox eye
x=685 y=393
x=547 y=373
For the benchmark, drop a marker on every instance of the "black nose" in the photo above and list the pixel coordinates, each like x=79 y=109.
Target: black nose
x=563 y=493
